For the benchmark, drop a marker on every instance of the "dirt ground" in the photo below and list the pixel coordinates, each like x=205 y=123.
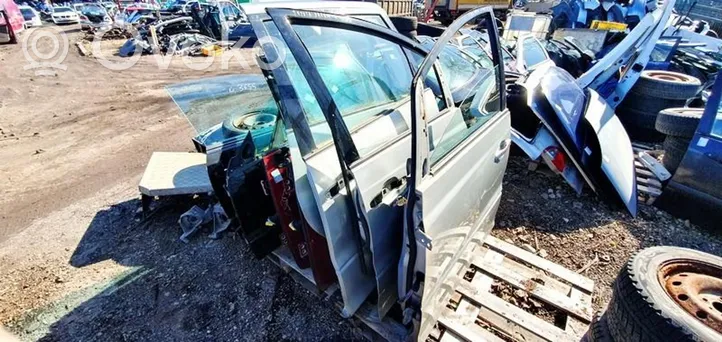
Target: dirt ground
x=78 y=263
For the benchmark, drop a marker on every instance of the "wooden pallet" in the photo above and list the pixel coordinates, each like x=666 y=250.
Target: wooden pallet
x=650 y=173
x=476 y=314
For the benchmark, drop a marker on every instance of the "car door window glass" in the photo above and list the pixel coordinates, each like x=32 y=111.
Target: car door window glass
x=456 y=67
x=361 y=71
x=533 y=53
x=364 y=82
x=372 y=18
x=431 y=81
x=717 y=125
x=477 y=103
x=229 y=11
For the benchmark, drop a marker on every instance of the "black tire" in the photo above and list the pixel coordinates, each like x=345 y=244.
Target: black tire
x=667 y=85
x=679 y=122
x=674 y=150
x=642 y=311
x=598 y=330
x=649 y=104
x=639 y=125
x=404 y=24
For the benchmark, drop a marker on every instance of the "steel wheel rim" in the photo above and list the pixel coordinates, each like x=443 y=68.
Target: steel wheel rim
x=669 y=76
x=696 y=287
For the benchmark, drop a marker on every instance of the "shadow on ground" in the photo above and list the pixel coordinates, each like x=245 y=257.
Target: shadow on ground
x=206 y=290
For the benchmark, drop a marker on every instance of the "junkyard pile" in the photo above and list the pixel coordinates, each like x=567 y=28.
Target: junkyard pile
x=213 y=289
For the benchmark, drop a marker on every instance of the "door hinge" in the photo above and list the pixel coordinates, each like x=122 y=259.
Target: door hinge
x=423 y=239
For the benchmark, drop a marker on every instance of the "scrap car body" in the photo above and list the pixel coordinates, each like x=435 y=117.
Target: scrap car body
x=376 y=159
x=577 y=134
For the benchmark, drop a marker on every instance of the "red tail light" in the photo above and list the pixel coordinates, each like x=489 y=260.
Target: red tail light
x=556 y=157
x=82 y=17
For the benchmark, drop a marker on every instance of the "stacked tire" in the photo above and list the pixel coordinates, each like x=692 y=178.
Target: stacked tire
x=655 y=91
x=663 y=294
x=679 y=125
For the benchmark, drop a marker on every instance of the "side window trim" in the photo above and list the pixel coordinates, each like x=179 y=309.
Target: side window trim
x=285 y=95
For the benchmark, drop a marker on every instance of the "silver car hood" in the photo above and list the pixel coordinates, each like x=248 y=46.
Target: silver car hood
x=616 y=149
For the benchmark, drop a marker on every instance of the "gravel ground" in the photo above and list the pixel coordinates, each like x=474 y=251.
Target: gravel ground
x=538 y=208
x=148 y=286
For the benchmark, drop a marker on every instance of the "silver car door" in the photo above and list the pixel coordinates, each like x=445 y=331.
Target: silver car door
x=359 y=150
x=455 y=185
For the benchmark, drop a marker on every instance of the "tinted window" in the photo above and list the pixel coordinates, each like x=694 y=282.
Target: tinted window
x=27 y=13
x=431 y=81
x=565 y=96
x=62 y=9
x=364 y=82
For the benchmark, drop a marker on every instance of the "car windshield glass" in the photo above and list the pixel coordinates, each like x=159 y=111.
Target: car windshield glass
x=92 y=10
x=62 y=10
x=138 y=11
x=27 y=13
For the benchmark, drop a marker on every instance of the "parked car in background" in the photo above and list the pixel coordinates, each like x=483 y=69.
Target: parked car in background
x=11 y=21
x=110 y=7
x=65 y=15
x=94 y=17
x=77 y=6
x=31 y=16
x=132 y=14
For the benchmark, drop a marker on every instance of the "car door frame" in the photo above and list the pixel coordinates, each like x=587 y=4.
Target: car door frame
x=420 y=169
x=346 y=150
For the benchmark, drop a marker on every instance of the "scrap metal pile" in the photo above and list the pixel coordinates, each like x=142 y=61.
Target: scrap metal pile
x=369 y=174
x=198 y=29
x=581 y=13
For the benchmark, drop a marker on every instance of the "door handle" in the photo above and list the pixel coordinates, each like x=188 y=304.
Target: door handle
x=503 y=148
x=390 y=185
